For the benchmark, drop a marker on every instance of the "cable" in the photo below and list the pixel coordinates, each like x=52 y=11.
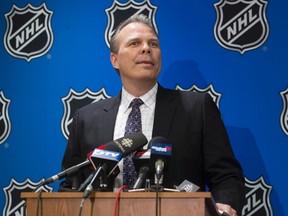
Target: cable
x=157 y=194
x=38 y=202
x=117 y=199
x=81 y=206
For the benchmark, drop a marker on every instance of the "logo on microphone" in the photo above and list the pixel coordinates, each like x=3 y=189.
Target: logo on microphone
x=75 y=100
x=4 y=118
x=119 y=12
x=241 y=25
x=14 y=204
x=29 y=33
x=104 y=154
x=126 y=142
x=161 y=149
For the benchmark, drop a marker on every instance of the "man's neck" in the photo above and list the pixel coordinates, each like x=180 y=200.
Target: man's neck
x=138 y=90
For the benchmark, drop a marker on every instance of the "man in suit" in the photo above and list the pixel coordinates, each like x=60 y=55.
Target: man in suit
x=190 y=121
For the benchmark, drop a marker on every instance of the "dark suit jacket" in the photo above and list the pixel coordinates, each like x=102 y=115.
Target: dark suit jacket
x=190 y=121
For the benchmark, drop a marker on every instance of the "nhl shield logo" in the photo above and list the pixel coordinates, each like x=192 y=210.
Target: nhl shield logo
x=119 y=12
x=28 y=34
x=74 y=101
x=15 y=205
x=284 y=113
x=5 y=124
x=241 y=25
x=257 y=198
x=215 y=95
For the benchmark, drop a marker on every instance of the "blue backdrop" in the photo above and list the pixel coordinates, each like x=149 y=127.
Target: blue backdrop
x=54 y=58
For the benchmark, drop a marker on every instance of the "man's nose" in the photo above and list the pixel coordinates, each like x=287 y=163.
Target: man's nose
x=146 y=48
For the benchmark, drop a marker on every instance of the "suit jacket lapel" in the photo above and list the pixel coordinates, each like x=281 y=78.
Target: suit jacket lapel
x=109 y=118
x=164 y=112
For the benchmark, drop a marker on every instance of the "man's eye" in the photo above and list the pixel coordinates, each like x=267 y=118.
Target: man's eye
x=154 y=44
x=134 y=43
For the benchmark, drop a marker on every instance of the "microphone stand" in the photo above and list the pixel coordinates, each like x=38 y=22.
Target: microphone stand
x=101 y=169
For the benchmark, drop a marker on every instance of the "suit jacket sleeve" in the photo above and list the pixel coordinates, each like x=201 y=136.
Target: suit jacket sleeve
x=202 y=153
x=223 y=172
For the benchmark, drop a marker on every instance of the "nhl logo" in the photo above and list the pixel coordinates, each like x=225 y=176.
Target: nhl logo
x=241 y=25
x=215 y=95
x=74 y=101
x=28 y=34
x=15 y=205
x=119 y=12
x=258 y=198
x=5 y=124
x=284 y=113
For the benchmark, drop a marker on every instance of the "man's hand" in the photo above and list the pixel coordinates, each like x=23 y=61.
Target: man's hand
x=224 y=208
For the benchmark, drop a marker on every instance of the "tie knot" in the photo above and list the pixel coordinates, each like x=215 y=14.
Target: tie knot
x=136 y=103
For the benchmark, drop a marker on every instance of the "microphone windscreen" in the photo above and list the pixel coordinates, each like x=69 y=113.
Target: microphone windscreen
x=127 y=144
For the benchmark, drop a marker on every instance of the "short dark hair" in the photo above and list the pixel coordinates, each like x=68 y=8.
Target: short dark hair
x=141 y=18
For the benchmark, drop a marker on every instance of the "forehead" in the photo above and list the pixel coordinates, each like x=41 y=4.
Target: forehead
x=137 y=29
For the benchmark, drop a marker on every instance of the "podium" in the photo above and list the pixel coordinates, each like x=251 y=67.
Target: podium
x=129 y=204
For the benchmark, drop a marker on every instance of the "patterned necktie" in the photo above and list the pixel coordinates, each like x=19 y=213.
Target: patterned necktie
x=133 y=125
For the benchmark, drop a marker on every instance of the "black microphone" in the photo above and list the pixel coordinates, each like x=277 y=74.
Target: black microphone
x=88 y=180
x=67 y=172
x=125 y=145
x=141 y=162
x=161 y=150
x=104 y=161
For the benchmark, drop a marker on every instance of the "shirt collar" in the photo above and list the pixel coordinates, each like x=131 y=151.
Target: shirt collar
x=148 y=98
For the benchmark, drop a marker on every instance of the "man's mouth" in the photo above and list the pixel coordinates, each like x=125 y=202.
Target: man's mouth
x=146 y=62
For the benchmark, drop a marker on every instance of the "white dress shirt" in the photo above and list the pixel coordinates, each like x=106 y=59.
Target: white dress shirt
x=147 y=119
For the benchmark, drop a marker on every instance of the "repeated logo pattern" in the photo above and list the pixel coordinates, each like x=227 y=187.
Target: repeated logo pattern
x=119 y=12
x=209 y=89
x=75 y=100
x=29 y=34
x=258 y=198
x=5 y=123
x=241 y=25
x=14 y=204
x=284 y=113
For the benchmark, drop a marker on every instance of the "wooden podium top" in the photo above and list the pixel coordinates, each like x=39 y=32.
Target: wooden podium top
x=130 y=203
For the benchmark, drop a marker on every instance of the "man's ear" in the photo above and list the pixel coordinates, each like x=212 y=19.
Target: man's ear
x=114 y=60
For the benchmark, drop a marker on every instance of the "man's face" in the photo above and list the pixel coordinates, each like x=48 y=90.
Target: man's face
x=139 y=54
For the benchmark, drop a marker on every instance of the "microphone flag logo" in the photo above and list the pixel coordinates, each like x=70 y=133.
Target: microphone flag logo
x=161 y=149
x=127 y=142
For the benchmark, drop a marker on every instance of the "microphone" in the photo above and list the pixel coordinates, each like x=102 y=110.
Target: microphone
x=161 y=149
x=130 y=143
x=67 y=172
x=104 y=161
x=88 y=180
x=141 y=162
